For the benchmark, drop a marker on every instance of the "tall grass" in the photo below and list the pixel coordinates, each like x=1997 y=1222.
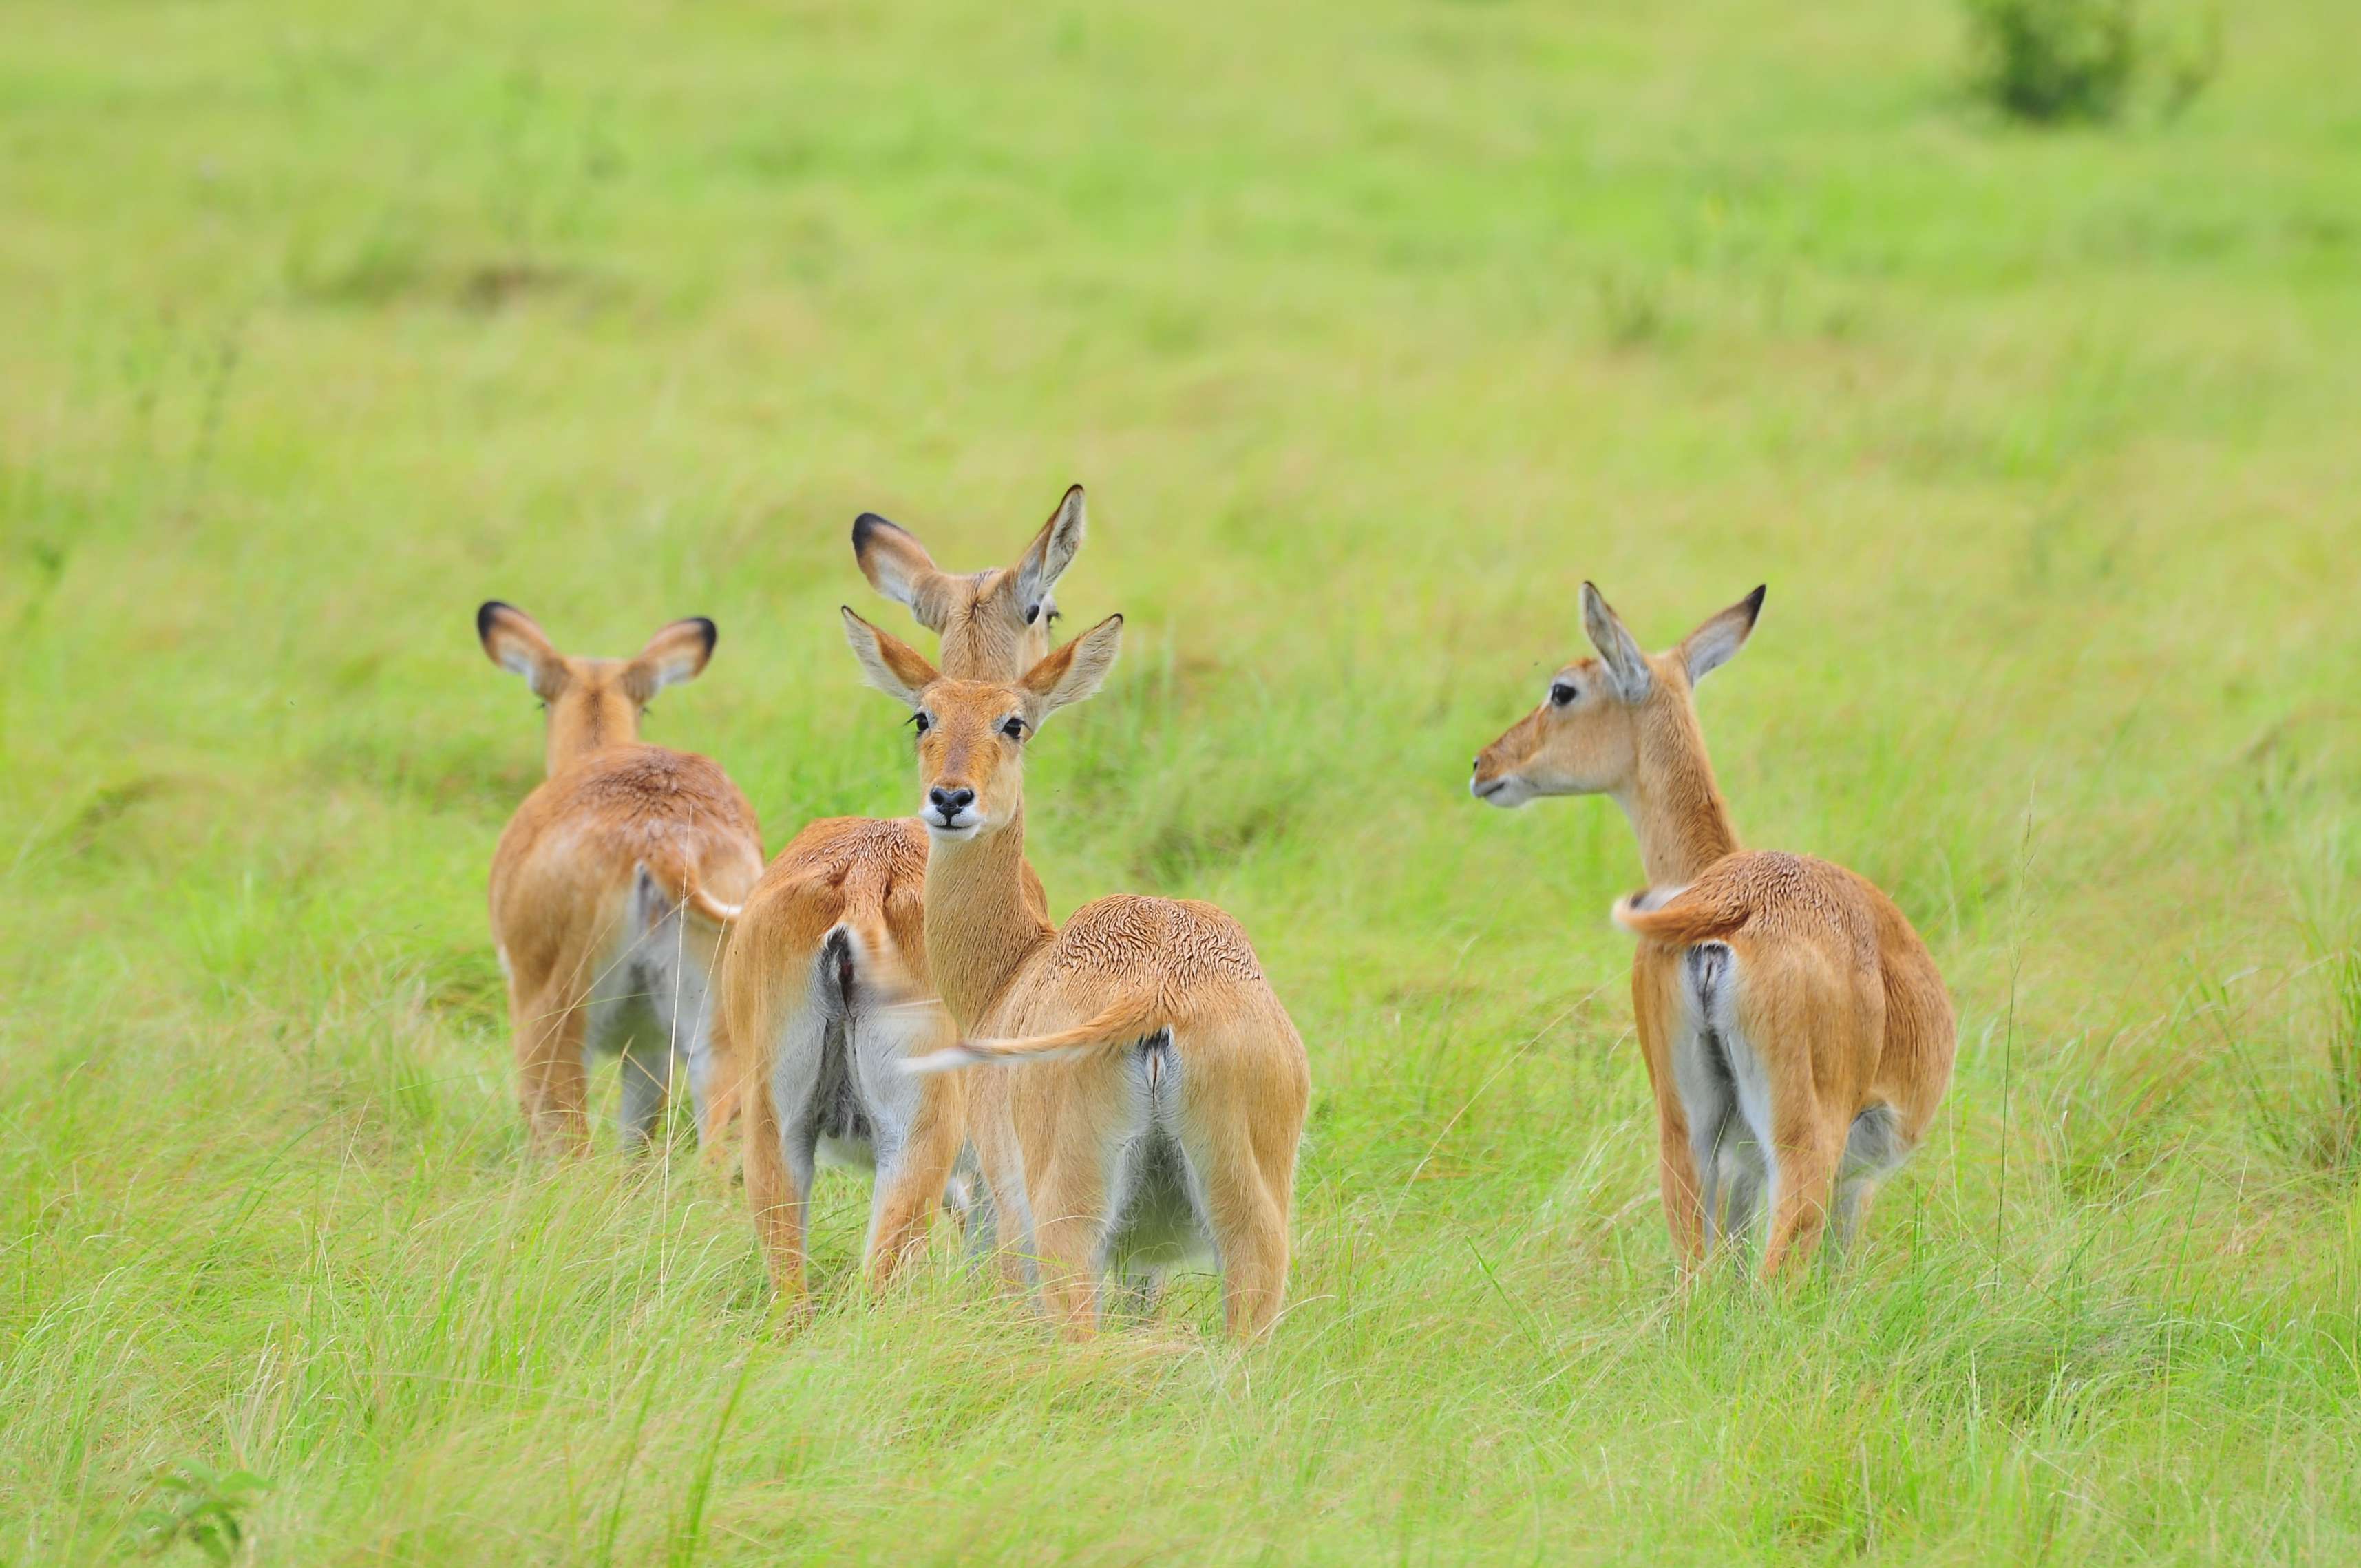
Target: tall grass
x=1374 y=332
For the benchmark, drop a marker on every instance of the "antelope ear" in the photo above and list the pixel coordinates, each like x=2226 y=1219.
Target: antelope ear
x=1716 y=642
x=675 y=655
x=1052 y=551
x=892 y=665
x=1626 y=665
x=515 y=642
x=899 y=567
x=1070 y=674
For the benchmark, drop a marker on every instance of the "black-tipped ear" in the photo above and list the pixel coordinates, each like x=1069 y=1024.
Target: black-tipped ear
x=675 y=655
x=1052 y=551
x=1716 y=642
x=514 y=641
x=866 y=527
x=899 y=567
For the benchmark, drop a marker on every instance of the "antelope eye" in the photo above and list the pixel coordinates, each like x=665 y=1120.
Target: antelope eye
x=921 y=723
x=1014 y=727
x=1032 y=613
x=1561 y=693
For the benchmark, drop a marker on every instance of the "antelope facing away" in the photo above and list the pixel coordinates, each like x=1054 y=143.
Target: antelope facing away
x=1797 y=1036
x=610 y=887
x=826 y=982
x=1148 y=1090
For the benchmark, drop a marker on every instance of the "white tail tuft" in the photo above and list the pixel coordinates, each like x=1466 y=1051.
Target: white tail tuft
x=1642 y=902
x=688 y=896
x=977 y=1053
x=947 y=1059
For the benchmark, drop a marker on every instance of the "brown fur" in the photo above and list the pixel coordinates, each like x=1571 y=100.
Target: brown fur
x=565 y=876
x=1826 y=985
x=868 y=876
x=1143 y=1018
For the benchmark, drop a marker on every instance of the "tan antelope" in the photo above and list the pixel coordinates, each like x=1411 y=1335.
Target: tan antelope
x=826 y=983
x=1148 y=1090
x=610 y=887
x=1797 y=1036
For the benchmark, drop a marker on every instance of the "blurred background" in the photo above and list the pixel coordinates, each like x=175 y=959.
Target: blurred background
x=2015 y=344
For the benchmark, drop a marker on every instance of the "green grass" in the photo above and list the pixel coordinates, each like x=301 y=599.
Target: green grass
x=1374 y=329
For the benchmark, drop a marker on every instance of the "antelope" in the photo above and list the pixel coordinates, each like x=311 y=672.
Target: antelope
x=611 y=886
x=827 y=978
x=1147 y=1090
x=1796 y=1034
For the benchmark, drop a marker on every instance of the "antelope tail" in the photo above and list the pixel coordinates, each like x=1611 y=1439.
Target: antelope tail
x=1659 y=914
x=858 y=958
x=679 y=887
x=1120 y=1024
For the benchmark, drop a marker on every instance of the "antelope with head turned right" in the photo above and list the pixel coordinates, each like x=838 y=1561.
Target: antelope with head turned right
x=1797 y=1036
x=826 y=983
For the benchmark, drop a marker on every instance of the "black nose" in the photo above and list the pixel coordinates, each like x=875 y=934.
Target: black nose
x=950 y=801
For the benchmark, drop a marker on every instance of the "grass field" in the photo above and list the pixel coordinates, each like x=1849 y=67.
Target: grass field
x=1373 y=329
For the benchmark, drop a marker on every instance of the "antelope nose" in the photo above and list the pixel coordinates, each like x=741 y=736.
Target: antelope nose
x=950 y=801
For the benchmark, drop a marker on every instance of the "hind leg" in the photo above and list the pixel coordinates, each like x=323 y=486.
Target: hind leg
x=717 y=1077
x=647 y=1085
x=912 y=1179
x=550 y=1086
x=1249 y=1226
x=1243 y=1200
x=919 y=1125
x=779 y=1190
x=1707 y=1118
x=1656 y=1003
x=1803 y=1181
x=1070 y=1219
x=781 y=1138
x=1677 y=1179
x=687 y=1010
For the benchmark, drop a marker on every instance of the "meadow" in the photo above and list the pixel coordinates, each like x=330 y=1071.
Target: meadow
x=1373 y=329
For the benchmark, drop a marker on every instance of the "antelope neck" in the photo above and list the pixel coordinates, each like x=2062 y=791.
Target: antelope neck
x=980 y=930
x=970 y=653
x=606 y=720
x=1675 y=806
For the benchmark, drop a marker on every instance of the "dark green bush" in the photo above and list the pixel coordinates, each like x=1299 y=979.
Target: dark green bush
x=2055 y=60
